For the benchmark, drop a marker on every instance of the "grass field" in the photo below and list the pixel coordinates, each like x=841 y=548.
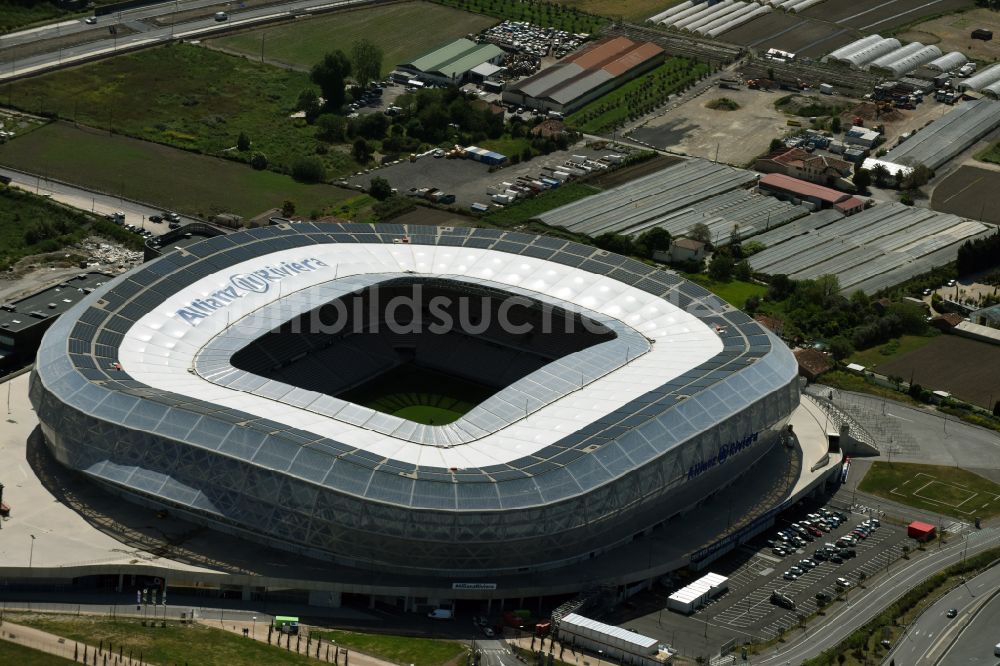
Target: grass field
x=184 y=96
x=399 y=649
x=21 y=212
x=631 y=10
x=947 y=490
x=637 y=97
x=530 y=208
x=849 y=381
x=951 y=33
x=160 y=175
x=11 y=653
x=403 y=31
x=872 y=358
x=419 y=394
x=567 y=17
x=734 y=292
x=175 y=643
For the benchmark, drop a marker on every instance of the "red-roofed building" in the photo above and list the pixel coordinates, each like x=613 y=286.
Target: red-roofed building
x=798 y=163
x=812 y=363
x=788 y=188
x=920 y=531
x=586 y=75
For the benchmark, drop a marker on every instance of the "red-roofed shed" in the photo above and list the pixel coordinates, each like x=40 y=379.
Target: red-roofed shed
x=920 y=531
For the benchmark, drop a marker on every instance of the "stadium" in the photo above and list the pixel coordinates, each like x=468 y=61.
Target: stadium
x=443 y=402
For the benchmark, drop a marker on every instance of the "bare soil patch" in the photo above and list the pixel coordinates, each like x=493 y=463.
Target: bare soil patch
x=953 y=33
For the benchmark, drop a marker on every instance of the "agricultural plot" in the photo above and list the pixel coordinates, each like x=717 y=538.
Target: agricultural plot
x=966 y=192
x=963 y=367
x=160 y=175
x=403 y=31
x=946 y=490
x=565 y=16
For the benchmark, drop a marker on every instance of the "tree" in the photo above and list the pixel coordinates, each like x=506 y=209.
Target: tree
x=366 y=58
x=720 y=268
x=308 y=103
x=841 y=347
x=775 y=145
x=742 y=271
x=652 y=241
x=258 y=161
x=329 y=75
x=309 y=170
x=380 y=188
x=917 y=177
x=243 y=142
x=881 y=175
x=330 y=128
x=862 y=180
x=288 y=208
x=615 y=243
x=835 y=125
x=700 y=232
x=361 y=151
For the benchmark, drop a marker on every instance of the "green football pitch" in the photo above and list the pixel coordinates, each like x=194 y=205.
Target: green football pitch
x=419 y=394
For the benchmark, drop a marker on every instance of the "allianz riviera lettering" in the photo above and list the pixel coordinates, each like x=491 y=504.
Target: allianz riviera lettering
x=726 y=451
x=257 y=282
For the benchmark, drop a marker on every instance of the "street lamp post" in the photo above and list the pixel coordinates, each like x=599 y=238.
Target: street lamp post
x=600 y=653
x=253 y=632
x=31 y=552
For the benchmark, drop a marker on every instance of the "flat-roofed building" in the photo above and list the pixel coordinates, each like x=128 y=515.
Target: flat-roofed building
x=583 y=77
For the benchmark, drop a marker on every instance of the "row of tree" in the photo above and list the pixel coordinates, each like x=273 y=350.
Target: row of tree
x=978 y=255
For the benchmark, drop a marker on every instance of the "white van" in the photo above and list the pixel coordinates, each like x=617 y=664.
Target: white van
x=440 y=614
x=996 y=650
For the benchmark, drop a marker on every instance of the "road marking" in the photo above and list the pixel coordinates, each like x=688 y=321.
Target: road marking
x=901 y=418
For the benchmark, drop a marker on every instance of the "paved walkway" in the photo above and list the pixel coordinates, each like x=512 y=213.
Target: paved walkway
x=63 y=647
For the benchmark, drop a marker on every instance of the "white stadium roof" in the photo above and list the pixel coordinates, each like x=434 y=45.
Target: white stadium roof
x=161 y=350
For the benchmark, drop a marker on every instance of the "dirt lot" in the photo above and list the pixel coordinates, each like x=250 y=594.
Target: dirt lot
x=789 y=32
x=951 y=33
x=963 y=367
x=625 y=174
x=692 y=129
x=969 y=192
x=881 y=15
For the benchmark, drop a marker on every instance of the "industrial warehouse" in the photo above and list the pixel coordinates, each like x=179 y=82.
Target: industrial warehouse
x=452 y=63
x=585 y=75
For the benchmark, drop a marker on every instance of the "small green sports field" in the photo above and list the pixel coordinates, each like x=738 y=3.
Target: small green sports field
x=946 y=490
x=419 y=394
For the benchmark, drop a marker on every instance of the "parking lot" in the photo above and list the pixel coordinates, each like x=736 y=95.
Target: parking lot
x=465 y=178
x=748 y=608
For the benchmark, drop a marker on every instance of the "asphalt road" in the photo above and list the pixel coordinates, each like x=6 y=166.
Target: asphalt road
x=135 y=213
x=868 y=603
x=934 y=634
x=975 y=644
x=922 y=435
x=149 y=34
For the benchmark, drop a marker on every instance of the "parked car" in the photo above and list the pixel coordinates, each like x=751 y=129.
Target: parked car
x=836 y=559
x=789 y=575
x=488 y=632
x=780 y=552
x=844 y=583
x=808 y=564
x=174 y=225
x=156 y=218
